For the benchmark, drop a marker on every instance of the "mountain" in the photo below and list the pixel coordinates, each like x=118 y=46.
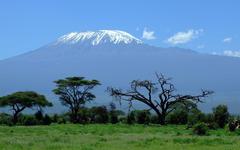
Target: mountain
x=115 y=58
x=98 y=38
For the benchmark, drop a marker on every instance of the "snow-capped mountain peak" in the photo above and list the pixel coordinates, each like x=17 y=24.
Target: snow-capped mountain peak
x=98 y=37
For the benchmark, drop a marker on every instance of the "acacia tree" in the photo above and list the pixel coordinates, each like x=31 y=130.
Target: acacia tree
x=74 y=92
x=159 y=97
x=19 y=101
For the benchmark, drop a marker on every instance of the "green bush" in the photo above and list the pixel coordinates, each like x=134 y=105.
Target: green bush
x=195 y=116
x=55 y=118
x=154 y=119
x=131 y=118
x=178 y=117
x=143 y=117
x=62 y=121
x=29 y=121
x=200 y=129
x=212 y=125
x=6 y=119
x=221 y=115
x=113 y=117
x=39 y=115
x=46 y=120
x=99 y=114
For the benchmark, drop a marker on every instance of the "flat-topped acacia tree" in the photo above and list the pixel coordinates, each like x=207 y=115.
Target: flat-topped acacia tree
x=74 y=92
x=19 y=101
x=160 y=97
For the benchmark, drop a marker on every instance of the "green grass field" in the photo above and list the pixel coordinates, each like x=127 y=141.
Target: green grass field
x=116 y=137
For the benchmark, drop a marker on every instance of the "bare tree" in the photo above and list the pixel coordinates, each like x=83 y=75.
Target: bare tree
x=159 y=96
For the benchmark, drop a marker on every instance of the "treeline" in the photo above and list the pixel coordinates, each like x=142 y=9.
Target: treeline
x=96 y=114
x=164 y=106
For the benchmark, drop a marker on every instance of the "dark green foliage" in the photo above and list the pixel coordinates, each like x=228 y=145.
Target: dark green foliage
x=212 y=125
x=194 y=117
x=62 y=120
x=178 y=117
x=113 y=117
x=181 y=112
x=200 y=129
x=74 y=92
x=55 y=118
x=39 y=116
x=47 y=120
x=131 y=118
x=99 y=114
x=29 y=120
x=6 y=119
x=113 y=114
x=84 y=115
x=221 y=115
x=154 y=119
x=143 y=117
x=209 y=120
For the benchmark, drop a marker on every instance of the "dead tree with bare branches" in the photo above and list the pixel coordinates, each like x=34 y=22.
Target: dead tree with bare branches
x=159 y=97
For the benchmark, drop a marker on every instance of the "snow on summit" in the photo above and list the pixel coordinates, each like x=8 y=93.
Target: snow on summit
x=99 y=37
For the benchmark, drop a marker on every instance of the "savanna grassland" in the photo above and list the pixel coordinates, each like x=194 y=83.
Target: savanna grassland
x=114 y=137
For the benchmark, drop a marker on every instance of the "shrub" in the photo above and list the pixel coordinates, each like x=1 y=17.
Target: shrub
x=55 y=118
x=60 y=118
x=194 y=117
x=113 y=116
x=6 y=119
x=221 y=115
x=62 y=121
x=29 y=121
x=154 y=119
x=99 y=114
x=84 y=115
x=39 y=115
x=143 y=117
x=200 y=129
x=178 y=117
x=212 y=125
x=131 y=118
x=47 y=120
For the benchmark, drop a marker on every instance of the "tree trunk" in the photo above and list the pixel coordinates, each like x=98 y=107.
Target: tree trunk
x=162 y=120
x=161 y=116
x=15 y=117
x=74 y=115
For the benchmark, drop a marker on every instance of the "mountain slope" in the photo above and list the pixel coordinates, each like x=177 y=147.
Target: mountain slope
x=115 y=58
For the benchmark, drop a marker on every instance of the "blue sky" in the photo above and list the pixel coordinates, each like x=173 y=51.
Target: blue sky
x=203 y=25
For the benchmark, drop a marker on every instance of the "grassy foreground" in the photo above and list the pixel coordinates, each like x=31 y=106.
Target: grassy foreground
x=116 y=137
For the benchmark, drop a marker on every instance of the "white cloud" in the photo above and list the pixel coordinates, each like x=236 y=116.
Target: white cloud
x=148 y=35
x=227 y=40
x=184 y=37
x=231 y=53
